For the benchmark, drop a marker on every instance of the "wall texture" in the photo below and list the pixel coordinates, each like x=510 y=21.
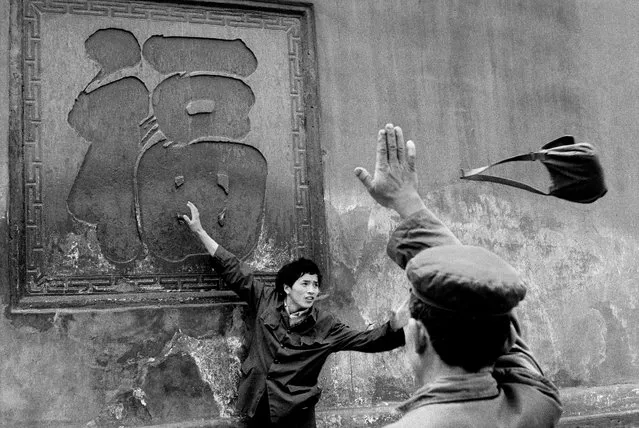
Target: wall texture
x=471 y=82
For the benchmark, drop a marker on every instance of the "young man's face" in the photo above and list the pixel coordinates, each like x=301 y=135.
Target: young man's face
x=303 y=293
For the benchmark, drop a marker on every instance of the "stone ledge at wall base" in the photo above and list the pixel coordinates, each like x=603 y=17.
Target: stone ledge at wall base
x=603 y=406
x=371 y=417
x=623 y=419
x=380 y=416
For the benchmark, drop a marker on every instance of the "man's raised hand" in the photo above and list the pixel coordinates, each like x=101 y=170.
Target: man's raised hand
x=194 y=222
x=394 y=184
x=196 y=227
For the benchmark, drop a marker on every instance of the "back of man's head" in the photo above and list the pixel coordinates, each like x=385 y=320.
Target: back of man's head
x=463 y=295
x=467 y=341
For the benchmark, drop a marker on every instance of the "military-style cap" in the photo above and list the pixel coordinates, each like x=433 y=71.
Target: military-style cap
x=465 y=279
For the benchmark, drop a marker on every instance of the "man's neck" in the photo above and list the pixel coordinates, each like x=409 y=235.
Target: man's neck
x=293 y=309
x=436 y=369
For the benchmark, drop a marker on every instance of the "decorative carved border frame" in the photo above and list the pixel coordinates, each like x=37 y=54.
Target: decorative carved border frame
x=34 y=291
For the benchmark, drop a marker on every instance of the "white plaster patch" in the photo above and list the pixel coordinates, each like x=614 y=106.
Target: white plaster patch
x=268 y=256
x=382 y=221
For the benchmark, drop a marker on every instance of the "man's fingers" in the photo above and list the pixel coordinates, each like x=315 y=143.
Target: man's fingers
x=391 y=143
x=364 y=177
x=411 y=153
x=186 y=218
x=401 y=146
x=382 y=151
x=193 y=208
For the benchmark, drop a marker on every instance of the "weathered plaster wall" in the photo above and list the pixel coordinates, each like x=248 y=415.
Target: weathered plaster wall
x=470 y=82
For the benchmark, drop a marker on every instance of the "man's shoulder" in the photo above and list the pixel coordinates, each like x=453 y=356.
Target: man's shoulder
x=324 y=319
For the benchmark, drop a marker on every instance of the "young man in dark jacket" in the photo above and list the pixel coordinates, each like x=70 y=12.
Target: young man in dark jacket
x=463 y=340
x=292 y=338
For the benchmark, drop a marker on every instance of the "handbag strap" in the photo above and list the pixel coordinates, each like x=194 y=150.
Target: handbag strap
x=475 y=174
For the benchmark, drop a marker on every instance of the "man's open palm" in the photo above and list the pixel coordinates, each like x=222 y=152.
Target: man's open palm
x=394 y=184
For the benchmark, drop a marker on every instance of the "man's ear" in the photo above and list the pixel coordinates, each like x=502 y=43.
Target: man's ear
x=421 y=337
x=510 y=340
x=287 y=289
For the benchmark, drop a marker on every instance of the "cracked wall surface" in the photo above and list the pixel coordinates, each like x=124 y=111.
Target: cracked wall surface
x=470 y=83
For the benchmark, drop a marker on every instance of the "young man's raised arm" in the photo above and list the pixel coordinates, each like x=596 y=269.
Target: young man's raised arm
x=237 y=275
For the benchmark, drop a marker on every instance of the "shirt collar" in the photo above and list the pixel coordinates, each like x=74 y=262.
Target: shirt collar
x=471 y=386
x=298 y=314
x=311 y=312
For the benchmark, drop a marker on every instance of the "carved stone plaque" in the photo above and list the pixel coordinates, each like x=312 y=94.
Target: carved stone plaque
x=122 y=112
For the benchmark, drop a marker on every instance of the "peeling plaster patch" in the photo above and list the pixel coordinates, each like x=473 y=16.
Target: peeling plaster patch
x=218 y=363
x=118 y=411
x=585 y=355
x=145 y=265
x=345 y=209
x=77 y=253
x=267 y=256
x=347 y=234
x=368 y=417
x=188 y=376
x=124 y=409
x=382 y=221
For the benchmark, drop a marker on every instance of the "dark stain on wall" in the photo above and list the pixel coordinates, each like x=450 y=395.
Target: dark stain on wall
x=175 y=391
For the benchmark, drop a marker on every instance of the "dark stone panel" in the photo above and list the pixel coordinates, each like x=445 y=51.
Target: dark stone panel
x=226 y=181
x=172 y=54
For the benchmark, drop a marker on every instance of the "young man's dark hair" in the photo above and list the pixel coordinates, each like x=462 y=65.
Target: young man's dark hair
x=468 y=341
x=291 y=272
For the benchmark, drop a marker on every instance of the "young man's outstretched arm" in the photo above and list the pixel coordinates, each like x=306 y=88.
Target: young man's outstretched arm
x=237 y=275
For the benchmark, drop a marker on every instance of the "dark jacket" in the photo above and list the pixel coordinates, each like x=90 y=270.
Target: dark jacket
x=514 y=394
x=285 y=362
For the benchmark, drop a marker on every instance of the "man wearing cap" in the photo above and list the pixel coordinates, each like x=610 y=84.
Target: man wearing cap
x=462 y=341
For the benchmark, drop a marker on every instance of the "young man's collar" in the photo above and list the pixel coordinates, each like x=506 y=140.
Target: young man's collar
x=298 y=314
